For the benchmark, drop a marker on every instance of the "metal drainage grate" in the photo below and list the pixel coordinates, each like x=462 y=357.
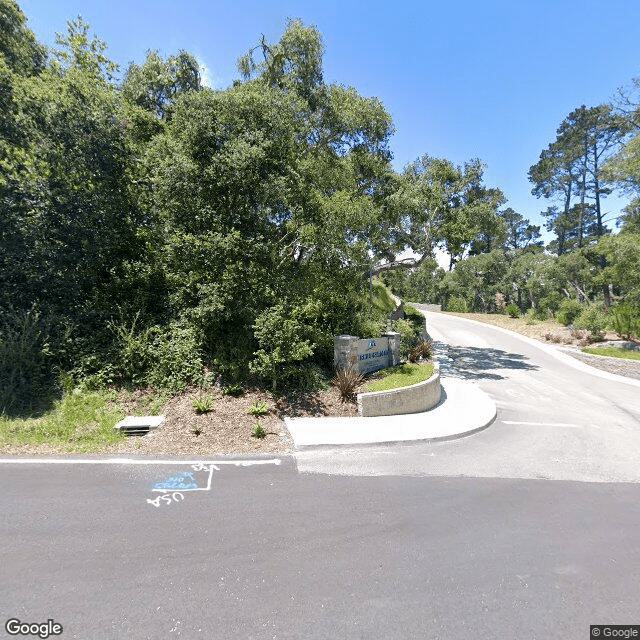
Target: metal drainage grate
x=139 y=425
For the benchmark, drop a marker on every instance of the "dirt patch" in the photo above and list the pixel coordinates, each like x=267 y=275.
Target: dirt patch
x=228 y=426
x=547 y=331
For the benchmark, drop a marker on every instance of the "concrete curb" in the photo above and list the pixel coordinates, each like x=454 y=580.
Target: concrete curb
x=463 y=410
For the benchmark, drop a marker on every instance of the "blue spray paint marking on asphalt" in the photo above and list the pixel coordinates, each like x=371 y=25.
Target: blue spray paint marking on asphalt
x=184 y=480
x=171 y=486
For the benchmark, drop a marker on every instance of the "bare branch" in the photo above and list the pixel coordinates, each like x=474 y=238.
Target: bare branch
x=405 y=263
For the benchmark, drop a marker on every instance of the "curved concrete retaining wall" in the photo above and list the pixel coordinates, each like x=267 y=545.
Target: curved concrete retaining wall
x=414 y=399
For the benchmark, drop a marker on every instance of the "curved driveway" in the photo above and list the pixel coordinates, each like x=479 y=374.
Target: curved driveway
x=557 y=418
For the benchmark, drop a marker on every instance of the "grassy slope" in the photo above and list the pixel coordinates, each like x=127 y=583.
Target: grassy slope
x=80 y=422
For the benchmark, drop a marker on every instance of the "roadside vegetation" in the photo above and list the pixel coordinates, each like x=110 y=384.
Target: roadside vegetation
x=80 y=423
x=613 y=352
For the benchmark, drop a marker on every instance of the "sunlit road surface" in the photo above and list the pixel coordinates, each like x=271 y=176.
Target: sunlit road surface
x=557 y=418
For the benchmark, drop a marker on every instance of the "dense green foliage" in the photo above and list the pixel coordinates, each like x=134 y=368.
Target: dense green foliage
x=158 y=232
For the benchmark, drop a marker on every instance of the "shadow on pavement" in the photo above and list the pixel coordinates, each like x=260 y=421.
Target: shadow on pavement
x=477 y=363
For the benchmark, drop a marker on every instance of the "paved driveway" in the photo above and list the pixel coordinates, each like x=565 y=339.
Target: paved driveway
x=557 y=417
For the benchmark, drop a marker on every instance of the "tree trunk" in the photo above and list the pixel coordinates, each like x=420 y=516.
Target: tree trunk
x=580 y=292
x=583 y=190
x=596 y=186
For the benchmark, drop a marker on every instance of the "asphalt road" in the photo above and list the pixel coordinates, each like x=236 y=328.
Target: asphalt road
x=484 y=537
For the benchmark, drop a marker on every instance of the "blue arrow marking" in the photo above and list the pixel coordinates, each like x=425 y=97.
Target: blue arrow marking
x=184 y=480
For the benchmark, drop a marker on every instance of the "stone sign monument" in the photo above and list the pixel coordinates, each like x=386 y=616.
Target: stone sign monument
x=366 y=354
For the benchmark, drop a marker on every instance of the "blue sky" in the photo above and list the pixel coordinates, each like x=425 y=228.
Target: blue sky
x=461 y=79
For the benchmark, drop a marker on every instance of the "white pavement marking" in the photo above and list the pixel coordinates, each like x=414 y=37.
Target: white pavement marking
x=133 y=461
x=545 y=424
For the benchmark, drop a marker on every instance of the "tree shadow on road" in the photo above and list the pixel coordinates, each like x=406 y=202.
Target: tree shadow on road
x=477 y=363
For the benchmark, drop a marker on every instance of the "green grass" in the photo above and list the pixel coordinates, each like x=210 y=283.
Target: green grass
x=403 y=375
x=614 y=352
x=80 y=422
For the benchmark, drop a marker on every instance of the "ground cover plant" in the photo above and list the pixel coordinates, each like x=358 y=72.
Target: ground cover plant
x=402 y=375
x=202 y=404
x=347 y=381
x=613 y=352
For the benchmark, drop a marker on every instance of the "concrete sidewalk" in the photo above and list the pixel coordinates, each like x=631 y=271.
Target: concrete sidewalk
x=464 y=409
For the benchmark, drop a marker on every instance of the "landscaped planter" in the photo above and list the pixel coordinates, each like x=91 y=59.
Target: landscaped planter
x=413 y=399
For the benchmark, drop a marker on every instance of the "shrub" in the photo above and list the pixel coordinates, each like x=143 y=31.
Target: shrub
x=307 y=377
x=593 y=319
x=513 y=310
x=258 y=430
x=550 y=303
x=347 y=381
x=369 y=328
x=168 y=357
x=177 y=358
x=25 y=375
x=203 y=404
x=285 y=343
x=579 y=334
x=410 y=336
x=423 y=350
x=233 y=390
x=626 y=320
x=258 y=409
x=541 y=312
x=414 y=316
x=457 y=305
x=569 y=310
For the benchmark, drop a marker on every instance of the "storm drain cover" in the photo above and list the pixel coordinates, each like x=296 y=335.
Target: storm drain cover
x=139 y=425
